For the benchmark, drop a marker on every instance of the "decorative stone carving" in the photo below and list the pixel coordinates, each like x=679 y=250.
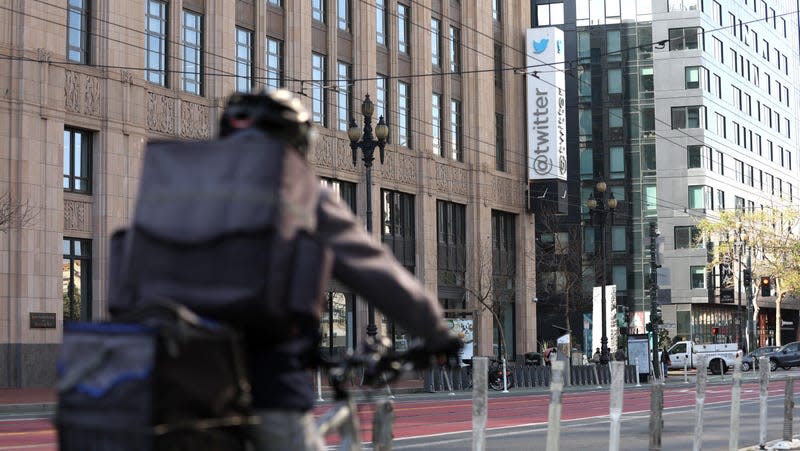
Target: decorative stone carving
x=160 y=113
x=332 y=152
x=506 y=191
x=44 y=55
x=407 y=169
x=77 y=216
x=451 y=179
x=194 y=121
x=126 y=76
x=82 y=93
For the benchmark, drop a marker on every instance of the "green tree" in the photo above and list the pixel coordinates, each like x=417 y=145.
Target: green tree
x=772 y=236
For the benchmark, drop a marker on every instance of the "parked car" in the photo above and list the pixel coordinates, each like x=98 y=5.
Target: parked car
x=750 y=360
x=785 y=357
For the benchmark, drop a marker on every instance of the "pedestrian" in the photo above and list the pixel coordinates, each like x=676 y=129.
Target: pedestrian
x=282 y=390
x=619 y=356
x=596 y=357
x=666 y=362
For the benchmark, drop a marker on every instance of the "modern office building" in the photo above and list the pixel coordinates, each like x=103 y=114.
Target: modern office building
x=85 y=84
x=684 y=109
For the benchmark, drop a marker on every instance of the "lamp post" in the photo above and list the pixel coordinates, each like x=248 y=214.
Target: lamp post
x=740 y=239
x=367 y=144
x=739 y=243
x=602 y=207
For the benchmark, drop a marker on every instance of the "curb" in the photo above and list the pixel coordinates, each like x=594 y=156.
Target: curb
x=46 y=408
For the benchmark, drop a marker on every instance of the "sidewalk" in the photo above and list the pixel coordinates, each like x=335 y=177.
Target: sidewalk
x=27 y=400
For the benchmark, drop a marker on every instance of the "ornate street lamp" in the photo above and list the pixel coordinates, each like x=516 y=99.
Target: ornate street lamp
x=367 y=144
x=602 y=208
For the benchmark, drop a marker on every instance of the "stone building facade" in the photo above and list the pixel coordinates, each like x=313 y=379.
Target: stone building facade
x=85 y=84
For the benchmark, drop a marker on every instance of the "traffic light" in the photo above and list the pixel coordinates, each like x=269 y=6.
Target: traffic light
x=714 y=330
x=766 y=286
x=747 y=277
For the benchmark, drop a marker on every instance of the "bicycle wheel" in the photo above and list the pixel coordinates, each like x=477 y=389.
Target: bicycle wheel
x=466 y=377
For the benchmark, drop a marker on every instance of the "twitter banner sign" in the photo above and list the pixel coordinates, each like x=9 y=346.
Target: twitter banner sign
x=547 y=116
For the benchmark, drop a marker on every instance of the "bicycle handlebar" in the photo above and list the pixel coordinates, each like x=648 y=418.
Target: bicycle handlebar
x=382 y=365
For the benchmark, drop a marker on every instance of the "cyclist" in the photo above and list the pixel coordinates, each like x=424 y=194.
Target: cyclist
x=282 y=389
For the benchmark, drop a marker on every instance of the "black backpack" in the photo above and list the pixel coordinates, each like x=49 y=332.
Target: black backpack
x=226 y=228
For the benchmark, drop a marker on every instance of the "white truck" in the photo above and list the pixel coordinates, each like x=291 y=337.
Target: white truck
x=719 y=357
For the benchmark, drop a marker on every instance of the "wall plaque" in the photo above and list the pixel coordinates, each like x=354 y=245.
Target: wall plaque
x=43 y=320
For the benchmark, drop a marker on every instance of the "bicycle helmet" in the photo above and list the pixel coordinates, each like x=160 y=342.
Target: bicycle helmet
x=278 y=113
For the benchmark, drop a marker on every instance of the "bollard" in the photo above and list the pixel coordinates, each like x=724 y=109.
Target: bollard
x=656 y=418
x=382 y=425
x=596 y=375
x=721 y=370
x=447 y=382
x=700 y=398
x=638 y=382
x=685 y=371
x=615 y=409
x=788 y=405
x=763 y=382
x=554 y=412
x=736 y=396
x=319 y=386
x=480 y=370
x=505 y=377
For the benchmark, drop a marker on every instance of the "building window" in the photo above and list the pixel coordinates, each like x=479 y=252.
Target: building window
x=77 y=161
x=549 y=14
x=156 y=42
x=688 y=117
x=381 y=96
x=345 y=190
x=402 y=28
x=586 y=163
x=499 y=142
x=451 y=251
x=403 y=113
x=701 y=197
x=278 y=3
x=318 y=88
x=686 y=237
x=344 y=95
x=613 y=46
x=436 y=124
x=318 y=10
x=684 y=38
x=720 y=200
x=504 y=271
x=685 y=5
x=274 y=60
x=76 y=281
x=456 y=149
x=698 y=276
x=397 y=226
x=498 y=66
x=584 y=84
x=78 y=31
x=614 y=81
x=455 y=49
x=692 y=77
x=244 y=60
x=380 y=22
x=191 y=76
x=436 y=42
x=698 y=157
x=618 y=239
x=615 y=121
x=343 y=14
x=650 y=199
x=585 y=124
x=616 y=162
x=496 y=10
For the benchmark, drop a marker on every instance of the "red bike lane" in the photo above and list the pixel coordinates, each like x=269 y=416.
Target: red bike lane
x=440 y=415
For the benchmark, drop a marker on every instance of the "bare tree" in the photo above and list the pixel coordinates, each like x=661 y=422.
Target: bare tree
x=15 y=212
x=493 y=287
x=772 y=234
x=562 y=265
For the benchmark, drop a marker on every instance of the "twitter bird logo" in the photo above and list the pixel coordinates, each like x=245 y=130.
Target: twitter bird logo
x=540 y=45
